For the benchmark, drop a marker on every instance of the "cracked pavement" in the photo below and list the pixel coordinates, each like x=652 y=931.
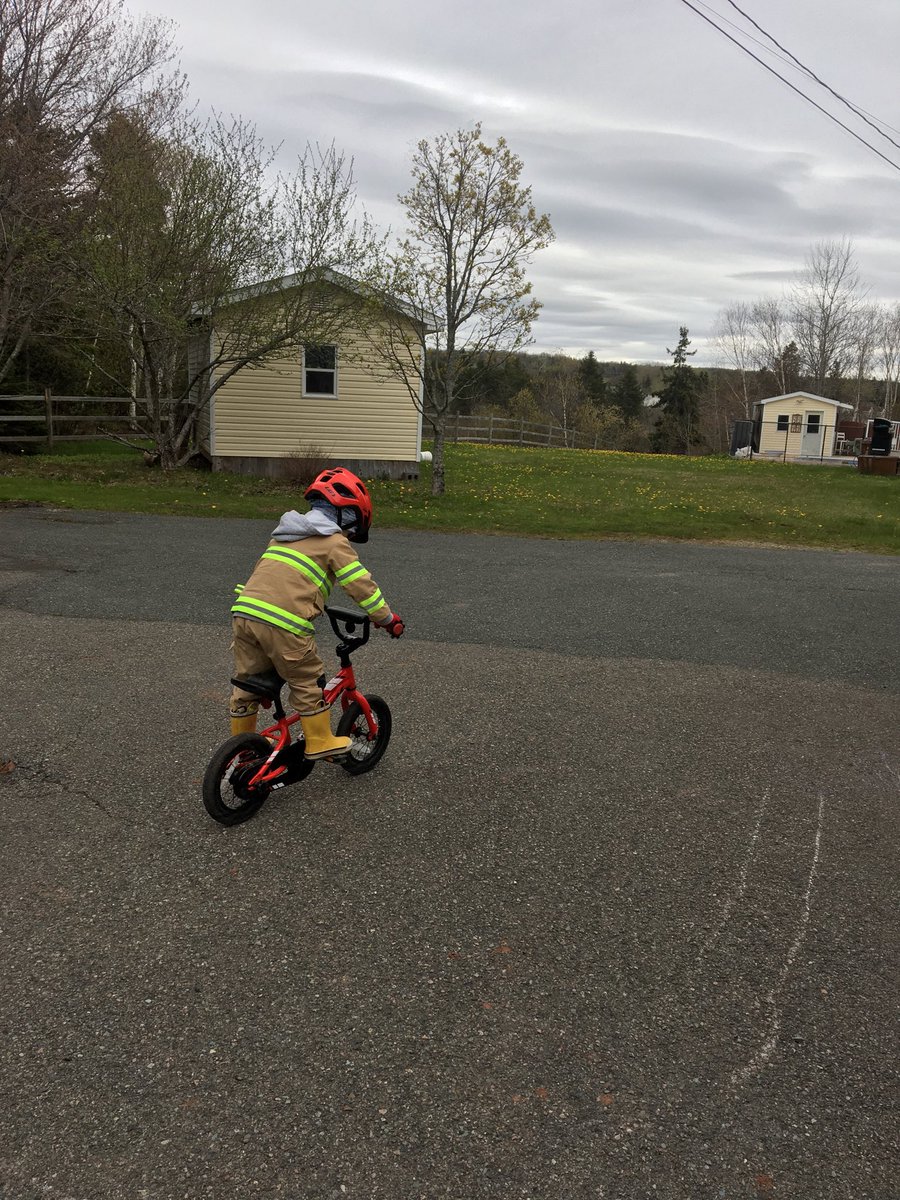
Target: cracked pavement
x=614 y=917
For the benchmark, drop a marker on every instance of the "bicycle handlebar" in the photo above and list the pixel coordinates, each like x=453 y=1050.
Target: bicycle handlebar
x=338 y=616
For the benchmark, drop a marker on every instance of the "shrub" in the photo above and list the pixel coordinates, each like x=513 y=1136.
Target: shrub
x=302 y=465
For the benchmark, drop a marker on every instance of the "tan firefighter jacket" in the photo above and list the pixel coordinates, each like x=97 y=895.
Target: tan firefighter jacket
x=292 y=580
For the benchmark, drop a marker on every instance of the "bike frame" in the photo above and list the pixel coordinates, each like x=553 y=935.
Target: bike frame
x=342 y=685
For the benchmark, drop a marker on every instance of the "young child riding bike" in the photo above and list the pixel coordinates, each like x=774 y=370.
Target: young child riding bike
x=273 y=616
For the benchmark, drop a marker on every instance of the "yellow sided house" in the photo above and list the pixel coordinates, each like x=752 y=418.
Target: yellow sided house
x=333 y=400
x=798 y=425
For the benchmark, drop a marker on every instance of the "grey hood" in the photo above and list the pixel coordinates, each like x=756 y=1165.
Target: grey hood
x=293 y=526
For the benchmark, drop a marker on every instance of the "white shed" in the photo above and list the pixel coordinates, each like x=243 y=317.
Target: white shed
x=798 y=425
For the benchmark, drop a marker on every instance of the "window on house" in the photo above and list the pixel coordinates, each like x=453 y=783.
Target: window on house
x=320 y=370
x=783 y=421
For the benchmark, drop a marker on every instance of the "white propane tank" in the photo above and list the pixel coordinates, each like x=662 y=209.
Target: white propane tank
x=424 y=456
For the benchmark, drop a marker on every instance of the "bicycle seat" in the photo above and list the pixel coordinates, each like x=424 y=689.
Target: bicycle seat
x=268 y=685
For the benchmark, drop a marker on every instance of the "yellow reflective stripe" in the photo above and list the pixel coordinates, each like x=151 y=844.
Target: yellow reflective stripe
x=373 y=601
x=305 y=566
x=271 y=613
x=239 y=587
x=353 y=569
x=345 y=579
x=310 y=562
x=247 y=611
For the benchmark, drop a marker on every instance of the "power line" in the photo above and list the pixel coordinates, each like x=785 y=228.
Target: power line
x=749 y=36
x=792 y=86
x=853 y=108
x=795 y=64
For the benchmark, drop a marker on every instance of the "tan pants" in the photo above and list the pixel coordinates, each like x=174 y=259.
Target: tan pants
x=259 y=647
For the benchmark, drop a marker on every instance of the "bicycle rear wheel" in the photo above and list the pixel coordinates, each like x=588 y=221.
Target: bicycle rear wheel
x=226 y=796
x=364 y=753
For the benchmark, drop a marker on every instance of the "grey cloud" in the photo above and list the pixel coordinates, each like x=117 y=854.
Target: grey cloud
x=769 y=277
x=678 y=176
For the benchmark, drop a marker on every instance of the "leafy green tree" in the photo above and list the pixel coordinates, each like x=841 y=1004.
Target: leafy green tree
x=683 y=385
x=461 y=270
x=524 y=406
x=592 y=381
x=627 y=393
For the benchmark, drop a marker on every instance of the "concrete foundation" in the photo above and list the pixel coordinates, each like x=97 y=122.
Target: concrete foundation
x=286 y=468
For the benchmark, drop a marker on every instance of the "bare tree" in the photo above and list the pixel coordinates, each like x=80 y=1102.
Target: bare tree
x=735 y=338
x=65 y=65
x=460 y=272
x=866 y=332
x=825 y=304
x=561 y=395
x=196 y=264
x=769 y=319
x=888 y=356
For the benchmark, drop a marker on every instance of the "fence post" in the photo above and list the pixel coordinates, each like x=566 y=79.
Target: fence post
x=787 y=434
x=48 y=417
x=491 y=430
x=456 y=438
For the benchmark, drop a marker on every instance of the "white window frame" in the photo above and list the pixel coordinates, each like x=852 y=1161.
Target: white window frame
x=785 y=428
x=332 y=395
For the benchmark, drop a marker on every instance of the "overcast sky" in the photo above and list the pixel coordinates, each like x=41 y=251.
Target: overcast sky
x=679 y=175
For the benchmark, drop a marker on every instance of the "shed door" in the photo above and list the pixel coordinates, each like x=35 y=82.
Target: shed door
x=811 y=443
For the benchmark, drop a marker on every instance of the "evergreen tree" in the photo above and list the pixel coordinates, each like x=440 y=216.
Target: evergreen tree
x=627 y=394
x=590 y=374
x=683 y=385
x=786 y=370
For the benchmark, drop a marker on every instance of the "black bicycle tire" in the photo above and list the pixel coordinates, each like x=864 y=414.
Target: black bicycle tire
x=213 y=776
x=355 y=766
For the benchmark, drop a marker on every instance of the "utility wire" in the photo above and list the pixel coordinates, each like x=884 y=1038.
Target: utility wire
x=794 y=63
x=749 y=37
x=793 y=88
x=859 y=112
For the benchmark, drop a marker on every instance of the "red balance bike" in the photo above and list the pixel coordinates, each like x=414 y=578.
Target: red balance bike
x=247 y=768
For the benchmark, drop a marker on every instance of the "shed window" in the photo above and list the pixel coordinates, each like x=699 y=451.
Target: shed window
x=783 y=421
x=320 y=370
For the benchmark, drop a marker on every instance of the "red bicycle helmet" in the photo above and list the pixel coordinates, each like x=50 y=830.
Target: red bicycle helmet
x=343 y=489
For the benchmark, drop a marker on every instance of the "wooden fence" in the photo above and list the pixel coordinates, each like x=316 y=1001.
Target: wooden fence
x=508 y=431
x=44 y=415
x=44 y=411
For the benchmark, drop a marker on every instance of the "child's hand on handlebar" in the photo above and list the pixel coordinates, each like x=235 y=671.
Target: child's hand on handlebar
x=393 y=625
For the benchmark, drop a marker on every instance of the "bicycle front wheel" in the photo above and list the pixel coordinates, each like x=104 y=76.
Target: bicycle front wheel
x=226 y=795
x=365 y=750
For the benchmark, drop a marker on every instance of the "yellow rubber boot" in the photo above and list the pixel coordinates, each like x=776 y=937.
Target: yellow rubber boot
x=243 y=718
x=320 y=741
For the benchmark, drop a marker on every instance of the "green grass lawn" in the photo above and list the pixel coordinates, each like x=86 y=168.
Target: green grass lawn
x=493 y=489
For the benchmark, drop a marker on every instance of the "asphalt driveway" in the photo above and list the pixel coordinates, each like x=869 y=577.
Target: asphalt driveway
x=614 y=917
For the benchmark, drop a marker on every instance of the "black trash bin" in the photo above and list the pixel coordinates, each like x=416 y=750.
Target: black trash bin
x=741 y=437
x=881 y=436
